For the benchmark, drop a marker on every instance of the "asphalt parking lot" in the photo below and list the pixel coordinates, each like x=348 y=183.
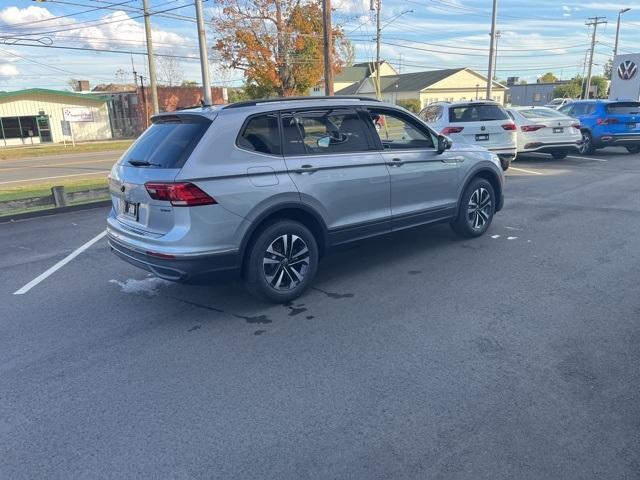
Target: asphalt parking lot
x=415 y=356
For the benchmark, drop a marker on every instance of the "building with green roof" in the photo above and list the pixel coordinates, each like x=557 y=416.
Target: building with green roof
x=36 y=115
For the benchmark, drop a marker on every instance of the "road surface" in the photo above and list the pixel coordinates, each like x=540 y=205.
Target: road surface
x=414 y=356
x=36 y=170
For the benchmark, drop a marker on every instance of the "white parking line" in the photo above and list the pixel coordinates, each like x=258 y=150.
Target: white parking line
x=57 y=176
x=59 y=265
x=587 y=158
x=525 y=171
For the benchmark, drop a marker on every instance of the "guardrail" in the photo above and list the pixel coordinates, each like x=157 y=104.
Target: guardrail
x=58 y=199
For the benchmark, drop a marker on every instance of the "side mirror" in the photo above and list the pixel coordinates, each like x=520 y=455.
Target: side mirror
x=324 y=142
x=444 y=143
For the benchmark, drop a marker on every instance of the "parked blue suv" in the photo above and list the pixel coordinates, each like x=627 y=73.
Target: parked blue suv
x=606 y=123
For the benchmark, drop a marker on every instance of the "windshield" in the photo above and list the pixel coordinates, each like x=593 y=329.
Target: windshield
x=167 y=143
x=477 y=113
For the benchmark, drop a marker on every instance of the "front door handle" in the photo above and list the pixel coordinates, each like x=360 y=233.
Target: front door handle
x=395 y=162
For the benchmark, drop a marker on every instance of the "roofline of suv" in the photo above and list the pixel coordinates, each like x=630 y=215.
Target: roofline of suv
x=252 y=103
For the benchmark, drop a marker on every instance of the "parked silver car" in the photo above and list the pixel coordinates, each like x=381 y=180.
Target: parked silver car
x=262 y=189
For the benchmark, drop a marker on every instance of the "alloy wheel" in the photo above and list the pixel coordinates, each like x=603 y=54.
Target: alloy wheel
x=586 y=143
x=286 y=262
x=479 y=208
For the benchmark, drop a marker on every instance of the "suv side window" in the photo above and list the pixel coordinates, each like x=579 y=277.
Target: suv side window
x=313 y=132
x=400 y=132
x=583 y=109
x=261 y=134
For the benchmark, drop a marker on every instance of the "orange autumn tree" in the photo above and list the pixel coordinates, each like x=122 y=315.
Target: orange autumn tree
x=277 y=43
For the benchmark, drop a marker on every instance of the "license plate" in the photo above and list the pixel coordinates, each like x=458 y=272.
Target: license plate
x=131 y=210
x=558 y=130
x=482 y=137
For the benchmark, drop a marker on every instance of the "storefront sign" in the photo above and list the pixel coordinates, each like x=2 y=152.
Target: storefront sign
x=78 y=114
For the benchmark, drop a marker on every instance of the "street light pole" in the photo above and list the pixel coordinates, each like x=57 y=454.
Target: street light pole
x=204 y=58
x=492 y=48
x=615 y=47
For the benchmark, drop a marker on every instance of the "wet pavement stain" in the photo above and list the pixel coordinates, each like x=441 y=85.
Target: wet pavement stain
x=259 y=332
x=194 y=328
x=310 y=317
x=199 y=305
x=293 y=311
x=255 y=319
x=332 y=294
x=414 y=272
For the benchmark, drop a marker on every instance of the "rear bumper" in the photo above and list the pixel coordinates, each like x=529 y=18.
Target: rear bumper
x=549 y=146
x=508 y=153
x=619 y=139
x=183 y=268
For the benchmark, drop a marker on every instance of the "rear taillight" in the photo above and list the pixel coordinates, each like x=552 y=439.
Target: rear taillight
x=576 y=126
x=509 y=126
x=531 y=128
x=607 y=121
x=179 y=194
x=450 y=130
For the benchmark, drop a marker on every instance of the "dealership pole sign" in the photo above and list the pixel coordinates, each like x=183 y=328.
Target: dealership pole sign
x=77 y=114
x=625 y=79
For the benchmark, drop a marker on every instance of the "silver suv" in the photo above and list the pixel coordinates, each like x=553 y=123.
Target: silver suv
x=263 y=189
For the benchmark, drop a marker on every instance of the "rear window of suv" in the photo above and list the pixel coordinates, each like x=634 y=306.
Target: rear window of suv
x=477 y=113
x=624 y=108
x=168 y=142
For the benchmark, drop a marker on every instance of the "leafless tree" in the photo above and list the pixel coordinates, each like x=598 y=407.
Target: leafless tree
x=169 y=71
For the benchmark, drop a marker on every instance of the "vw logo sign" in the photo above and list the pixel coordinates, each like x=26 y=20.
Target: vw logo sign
x=627 y=70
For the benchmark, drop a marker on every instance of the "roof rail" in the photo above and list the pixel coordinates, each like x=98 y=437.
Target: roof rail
x=249 y=103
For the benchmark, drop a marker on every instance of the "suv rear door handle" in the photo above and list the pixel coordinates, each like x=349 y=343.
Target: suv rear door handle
x=395 y=162
x=306 y=169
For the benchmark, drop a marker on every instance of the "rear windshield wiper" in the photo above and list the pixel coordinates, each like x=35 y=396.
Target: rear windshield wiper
x=143 y=163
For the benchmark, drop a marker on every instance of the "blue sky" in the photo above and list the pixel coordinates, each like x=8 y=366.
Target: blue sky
x=536 y=37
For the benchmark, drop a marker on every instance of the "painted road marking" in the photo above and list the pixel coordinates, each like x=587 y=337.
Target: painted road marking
x=588 y=158
x=59 y=265
x=102 y=172
x=525 y=171
x=511 y=238
x=495 y=236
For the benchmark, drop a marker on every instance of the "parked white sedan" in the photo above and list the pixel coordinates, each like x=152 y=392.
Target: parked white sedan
x=542 y=129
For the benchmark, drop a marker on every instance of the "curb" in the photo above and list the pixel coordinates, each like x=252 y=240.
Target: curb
x=54 y=211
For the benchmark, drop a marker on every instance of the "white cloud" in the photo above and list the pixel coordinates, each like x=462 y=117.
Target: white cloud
x=7 y=70
x=566 y=8
x=117 y=28
x=17 y=16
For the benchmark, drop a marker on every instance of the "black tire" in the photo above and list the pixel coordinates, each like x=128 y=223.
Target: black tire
x=468 y=215
x=505 y=163
x=586 y=146
x=559 y=154
x=268 y=254
x=633 y=149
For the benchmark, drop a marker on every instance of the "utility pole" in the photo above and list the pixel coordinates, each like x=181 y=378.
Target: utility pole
x=328 y=45
x=378 y=32
x=152 y=60
x=595 y=21
x=615 y=47
x=492 y=48
x=495 y=56
x=204 y=59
